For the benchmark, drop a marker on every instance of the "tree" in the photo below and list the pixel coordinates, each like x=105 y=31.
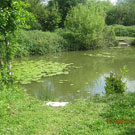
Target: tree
x=50 y=18
x=123 y=13
x=13 y=16
x=64 y=6
x=47 y=18
x=86 y=22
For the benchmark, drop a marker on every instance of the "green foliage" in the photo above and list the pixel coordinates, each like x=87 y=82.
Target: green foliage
x=50 y=18
x=38 y=42
x=28 y=71
x=36 y=9
x=133 y=42
x=13 y=16
x=86 y=23
x=106 y=5
x=109 y=37
x=64 y=7
x=72 y=44
x=114 y=83
x=123 y=13
x=121 y=30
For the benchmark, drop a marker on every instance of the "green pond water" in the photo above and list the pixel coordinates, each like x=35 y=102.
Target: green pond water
x=88 y=78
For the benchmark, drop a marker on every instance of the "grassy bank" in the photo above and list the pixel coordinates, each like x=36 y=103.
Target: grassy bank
x=22 y=115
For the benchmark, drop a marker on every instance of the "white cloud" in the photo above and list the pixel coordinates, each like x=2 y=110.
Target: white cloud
x=114 y=1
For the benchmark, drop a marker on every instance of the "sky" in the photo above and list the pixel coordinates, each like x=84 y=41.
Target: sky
x=113 y=1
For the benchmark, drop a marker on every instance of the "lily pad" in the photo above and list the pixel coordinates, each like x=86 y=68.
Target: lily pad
x=28 y=71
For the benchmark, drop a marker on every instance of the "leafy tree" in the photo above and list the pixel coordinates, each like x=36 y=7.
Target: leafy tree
x=123 y=13
x=50 y=18
x=64 y=6
x=106 y=5
x=36 y=8
x=47 y=17
x=86 y=23
x=13 y=16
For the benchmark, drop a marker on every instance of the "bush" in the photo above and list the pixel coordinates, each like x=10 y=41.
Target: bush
x=133 y=42
x=109 y=37
x=121 y=30
x=39 y=43
x=86 y=24
x=114 y=84
x=72 y=44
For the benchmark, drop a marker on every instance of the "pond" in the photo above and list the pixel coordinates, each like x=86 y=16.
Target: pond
x=88 y=79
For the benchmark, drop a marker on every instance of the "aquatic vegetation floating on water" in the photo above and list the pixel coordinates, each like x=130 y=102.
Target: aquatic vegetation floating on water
x=104 y=54
x=28 y=71
x=63 y=81
x=116 y=47
x=78 y=91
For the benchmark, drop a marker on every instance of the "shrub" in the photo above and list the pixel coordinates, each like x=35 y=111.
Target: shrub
x=72 y=44
x=121 y=30
x=109 y=37
x=39 y=43
x=115 y=83
x=133 y=42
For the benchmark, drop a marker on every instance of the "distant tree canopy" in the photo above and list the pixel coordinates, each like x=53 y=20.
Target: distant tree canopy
x=123 y=13
x=64 y=6
x=52 y=15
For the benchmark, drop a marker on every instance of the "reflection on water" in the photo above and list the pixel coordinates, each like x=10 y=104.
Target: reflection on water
x=87 y=80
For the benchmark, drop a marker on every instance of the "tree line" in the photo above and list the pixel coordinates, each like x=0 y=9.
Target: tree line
x=53 y=15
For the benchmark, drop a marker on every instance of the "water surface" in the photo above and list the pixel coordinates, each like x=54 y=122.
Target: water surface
x=88 y=79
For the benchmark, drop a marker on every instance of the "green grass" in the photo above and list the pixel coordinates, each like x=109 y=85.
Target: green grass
x=22 y=115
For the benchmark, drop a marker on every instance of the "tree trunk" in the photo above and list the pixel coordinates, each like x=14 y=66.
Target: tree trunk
x=1 y=61
x=8 y=60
